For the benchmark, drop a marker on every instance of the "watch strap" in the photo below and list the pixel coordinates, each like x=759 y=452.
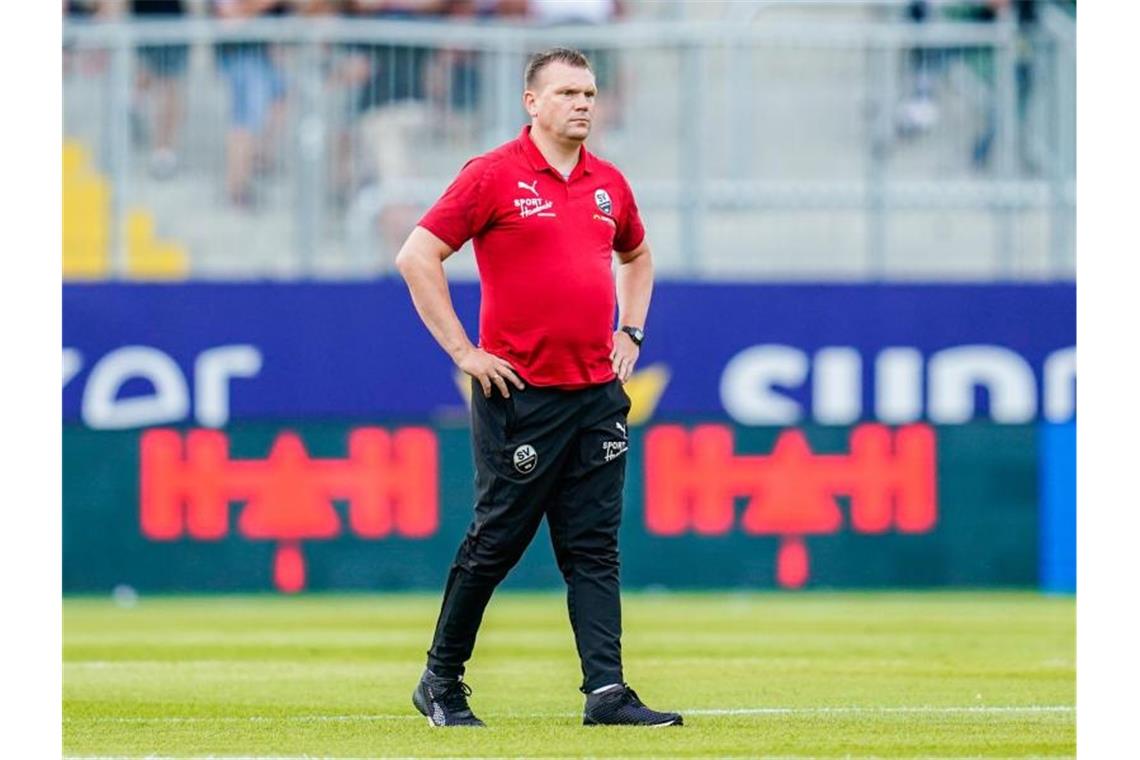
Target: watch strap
x=636 y=334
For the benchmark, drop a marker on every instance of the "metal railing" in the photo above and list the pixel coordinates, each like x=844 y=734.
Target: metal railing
x=799 y=143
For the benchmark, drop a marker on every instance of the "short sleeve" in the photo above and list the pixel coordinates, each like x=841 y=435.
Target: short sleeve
x=630 y=231
x=464 y=208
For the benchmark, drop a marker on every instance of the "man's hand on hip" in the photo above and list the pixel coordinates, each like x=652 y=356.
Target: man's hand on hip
x=624 y=356
x=488 y=369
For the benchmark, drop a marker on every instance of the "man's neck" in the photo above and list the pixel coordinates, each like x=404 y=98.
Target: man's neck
x=562 y=155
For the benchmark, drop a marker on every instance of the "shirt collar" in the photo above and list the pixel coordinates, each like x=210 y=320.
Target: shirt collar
x=538 y=162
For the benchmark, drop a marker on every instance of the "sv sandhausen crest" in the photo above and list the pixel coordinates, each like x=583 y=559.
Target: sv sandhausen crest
x=602 y=198
x=525 y=458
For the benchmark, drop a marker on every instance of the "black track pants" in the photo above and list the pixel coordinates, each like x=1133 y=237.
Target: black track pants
x=543 y=451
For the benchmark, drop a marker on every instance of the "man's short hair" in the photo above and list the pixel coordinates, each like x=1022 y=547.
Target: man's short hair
x=540 y=61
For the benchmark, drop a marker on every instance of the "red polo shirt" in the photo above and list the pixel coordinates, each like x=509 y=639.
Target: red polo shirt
x=544 y=247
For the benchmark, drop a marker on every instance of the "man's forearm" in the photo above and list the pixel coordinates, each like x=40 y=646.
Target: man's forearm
x=428 y=286
x=634 y=289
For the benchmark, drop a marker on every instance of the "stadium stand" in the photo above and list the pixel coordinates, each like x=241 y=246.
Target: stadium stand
x=765 y=141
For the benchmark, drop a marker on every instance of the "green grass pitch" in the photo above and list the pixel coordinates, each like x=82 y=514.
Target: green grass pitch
x=757 y=675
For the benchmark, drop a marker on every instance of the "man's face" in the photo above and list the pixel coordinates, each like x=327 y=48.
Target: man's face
x=562 y=101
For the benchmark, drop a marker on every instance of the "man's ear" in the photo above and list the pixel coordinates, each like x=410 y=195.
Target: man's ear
x=529 y=104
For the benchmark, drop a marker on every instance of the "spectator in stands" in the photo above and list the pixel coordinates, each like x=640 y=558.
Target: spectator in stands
x=398 y=94
x=257 y=96
x=919 y=112
x=1025 y=16
x=389 y=93
x=504 y=8
x=453 y=80
x=160 y=79
x=81 y=10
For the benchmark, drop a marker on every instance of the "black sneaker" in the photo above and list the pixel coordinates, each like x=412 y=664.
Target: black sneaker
x=444 y=701
x=621 y=707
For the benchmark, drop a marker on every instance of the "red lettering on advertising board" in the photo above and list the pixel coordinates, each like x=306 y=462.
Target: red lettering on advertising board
x=187 y=484
x=694 y=479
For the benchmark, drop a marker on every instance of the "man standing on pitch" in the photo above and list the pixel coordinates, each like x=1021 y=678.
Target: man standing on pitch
x=548 y=411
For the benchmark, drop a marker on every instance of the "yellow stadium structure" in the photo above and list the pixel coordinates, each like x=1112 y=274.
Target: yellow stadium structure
x=87 y=228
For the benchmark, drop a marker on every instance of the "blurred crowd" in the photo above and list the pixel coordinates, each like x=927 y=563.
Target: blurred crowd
x=391 y=90
x=919 y=112
x=389 y=86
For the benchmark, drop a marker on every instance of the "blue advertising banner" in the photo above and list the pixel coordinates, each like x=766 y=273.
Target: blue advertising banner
x=1058 y=474
x=137 y=356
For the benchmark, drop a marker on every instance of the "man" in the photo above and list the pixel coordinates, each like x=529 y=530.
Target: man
x=548 y=409
x=161 y=79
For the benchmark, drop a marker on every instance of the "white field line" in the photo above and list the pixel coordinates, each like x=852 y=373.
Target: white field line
x=863 y=710
x=492 y=757
x=925 y=710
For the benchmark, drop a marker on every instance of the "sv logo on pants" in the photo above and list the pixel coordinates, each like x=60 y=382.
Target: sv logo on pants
x=525 y=458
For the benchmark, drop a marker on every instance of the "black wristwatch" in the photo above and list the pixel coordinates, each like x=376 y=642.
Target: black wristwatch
x=636 y=334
